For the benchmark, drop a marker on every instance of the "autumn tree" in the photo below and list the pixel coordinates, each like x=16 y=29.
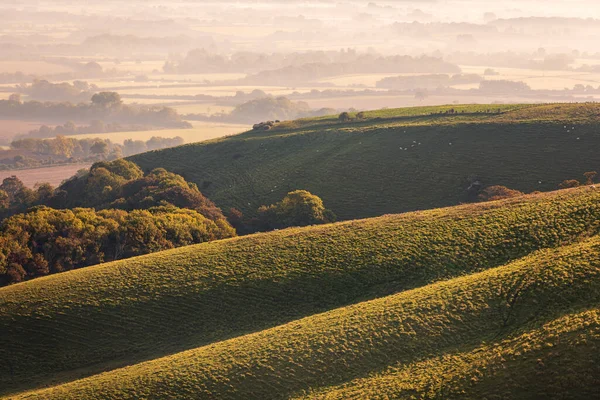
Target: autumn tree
x=589 y=177
x=44 y=192
x=11 y=186
x=298 y=208
x=61 y=146
x=4 y=200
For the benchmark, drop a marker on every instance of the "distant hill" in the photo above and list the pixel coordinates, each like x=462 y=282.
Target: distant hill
x=396 y=160
x=321 y=309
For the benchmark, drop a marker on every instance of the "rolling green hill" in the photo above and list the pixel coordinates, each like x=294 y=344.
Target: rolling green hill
x=558 y=359
x=100 y=318
x=542 y=306
x=393 y=160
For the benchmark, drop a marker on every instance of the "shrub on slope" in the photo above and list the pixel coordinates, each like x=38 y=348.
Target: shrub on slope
x=149 y=306
x=351 y=342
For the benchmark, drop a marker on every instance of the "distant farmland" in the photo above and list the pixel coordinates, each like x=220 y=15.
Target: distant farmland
x=200 y=132
x=52 y=175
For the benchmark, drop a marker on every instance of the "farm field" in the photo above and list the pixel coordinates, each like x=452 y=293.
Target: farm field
x=540 y=79
x=537 y=79
x=212 y=77
x=51 y=175
x=394 y=160
x=33 y=67
x=141 y=100
x=201 y=131
x=144 y=67
x=370 y=102
x=201 y=108
x=429 y=289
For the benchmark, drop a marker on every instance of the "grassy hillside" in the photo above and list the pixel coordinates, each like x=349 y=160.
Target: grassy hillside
x=394 y=160
x=85 y=321
x=557 y=360
x=509 y=307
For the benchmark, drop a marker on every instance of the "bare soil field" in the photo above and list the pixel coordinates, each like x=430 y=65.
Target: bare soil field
x=52 y=175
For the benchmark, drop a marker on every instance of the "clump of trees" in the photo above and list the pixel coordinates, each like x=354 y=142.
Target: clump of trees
x=122 y=184
x=270 y=108
x=77 y=91
x=501 y=86
x=118 y=184
x=427 y=82
x=590 y=176
x=297 y=208
x=45 y=241
x=93 y=149
x=265 y=126
x=498 y=192
x=344 y=117
x=16 y=197
x=70 y=128
x=105 y=106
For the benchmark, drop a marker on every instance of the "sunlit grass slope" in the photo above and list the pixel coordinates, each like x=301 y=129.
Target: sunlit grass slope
x=98 y=318
x=560 y=359
x=394 y=160
x=507 y=311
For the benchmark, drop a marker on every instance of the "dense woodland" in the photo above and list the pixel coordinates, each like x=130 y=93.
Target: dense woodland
x=116 y=211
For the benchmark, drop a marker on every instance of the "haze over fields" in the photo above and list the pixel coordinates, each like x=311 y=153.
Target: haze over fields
x=300 y=199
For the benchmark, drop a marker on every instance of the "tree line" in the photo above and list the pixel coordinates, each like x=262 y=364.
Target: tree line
x=83 y=149
x=106 y=106
x=70 y=128
x=45 y=241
